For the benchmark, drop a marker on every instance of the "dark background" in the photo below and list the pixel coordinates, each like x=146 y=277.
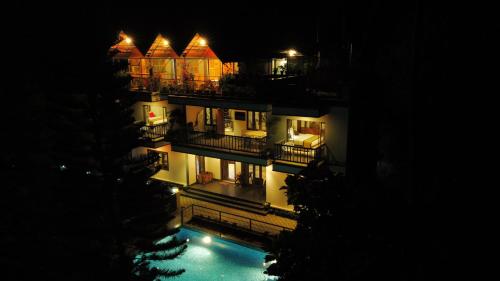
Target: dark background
x=403 y=109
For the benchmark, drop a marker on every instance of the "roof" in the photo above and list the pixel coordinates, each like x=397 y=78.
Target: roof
x=124 y=48
x=161 y=48
x=198 y=48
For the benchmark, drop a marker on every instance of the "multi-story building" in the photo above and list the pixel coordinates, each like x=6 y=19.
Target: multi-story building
x=228 y=144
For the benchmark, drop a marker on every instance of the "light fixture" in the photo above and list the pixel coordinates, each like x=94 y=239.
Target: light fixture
x=175 y=189
x=187 y=240
x=207 y=239
x=292 y=52
x=203 y=42
x=128 y=40
x=165 y=42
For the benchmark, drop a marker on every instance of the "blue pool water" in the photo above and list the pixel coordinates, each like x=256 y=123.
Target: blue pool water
x=216 y=259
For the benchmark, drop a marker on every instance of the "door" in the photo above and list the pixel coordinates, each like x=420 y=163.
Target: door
x=228 y=170
x=199 y=164
x=145 y=112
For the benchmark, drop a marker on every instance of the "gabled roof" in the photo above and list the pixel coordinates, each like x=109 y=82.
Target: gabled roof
x=195 y=49
x=124 y=48
x=161 y=49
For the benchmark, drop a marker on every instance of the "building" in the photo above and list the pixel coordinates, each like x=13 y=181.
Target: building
x=225 y=140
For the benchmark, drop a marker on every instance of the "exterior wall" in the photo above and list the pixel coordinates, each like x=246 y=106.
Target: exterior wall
x=193 y=114
x=239 y=126
x=177 y=169
x=277 y=127
x=336 y=132
x=276 y=197
x=191 y=168
x=140 y=150
x=213 y=165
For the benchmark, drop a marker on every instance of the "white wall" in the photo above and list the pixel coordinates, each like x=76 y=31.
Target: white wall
x=192 y=113
x=191 y=168
x=177 y=169
x=213 y=165
x=239 y=126
x=275 y=196
x=156 y=107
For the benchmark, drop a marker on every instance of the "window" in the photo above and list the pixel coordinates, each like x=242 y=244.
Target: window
x=256 y=174
x=256 y=120
x=145 y=112
x=200 y=164
x=164 y=161
x=164 y=114
x=210 y=116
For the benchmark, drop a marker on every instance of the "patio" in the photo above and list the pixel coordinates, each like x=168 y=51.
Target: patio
x=250 y=193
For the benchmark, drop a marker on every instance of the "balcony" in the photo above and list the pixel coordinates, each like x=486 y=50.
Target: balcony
x=228 y=143
x=154 y=133
x=298 y=154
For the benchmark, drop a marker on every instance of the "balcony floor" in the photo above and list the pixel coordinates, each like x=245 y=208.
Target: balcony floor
x=251 y=193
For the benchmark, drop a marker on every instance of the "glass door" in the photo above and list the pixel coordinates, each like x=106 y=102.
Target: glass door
x=228 y=170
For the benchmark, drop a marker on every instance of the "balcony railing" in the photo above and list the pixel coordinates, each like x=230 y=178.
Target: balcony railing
x=298 y=154
x=234 y=143
x=173 y=85
x=154 y=132
x=231 y=220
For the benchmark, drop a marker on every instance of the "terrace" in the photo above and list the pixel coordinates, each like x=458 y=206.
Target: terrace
x=246 y=145
x=287 y=153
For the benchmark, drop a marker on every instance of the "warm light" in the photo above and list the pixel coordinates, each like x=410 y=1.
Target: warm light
x=203 y=42
x=165 y=42
x=207 y=240
x=292 y=52
x=175 y=189
x=128 y=40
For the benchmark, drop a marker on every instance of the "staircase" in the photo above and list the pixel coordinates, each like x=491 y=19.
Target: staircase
x=227 y=201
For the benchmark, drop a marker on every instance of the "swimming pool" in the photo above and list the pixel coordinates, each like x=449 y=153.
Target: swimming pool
x=209 y=258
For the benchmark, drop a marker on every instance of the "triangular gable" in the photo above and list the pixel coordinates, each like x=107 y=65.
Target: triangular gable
x=161 y=49
x=125 y=48
x=196 y=50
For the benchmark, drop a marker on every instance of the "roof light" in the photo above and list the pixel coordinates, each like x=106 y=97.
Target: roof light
x=203 y=42
x=292 y=52
x=165 y=42
x=128 y=40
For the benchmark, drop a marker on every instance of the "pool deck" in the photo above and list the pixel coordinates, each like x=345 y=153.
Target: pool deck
x=268 y=218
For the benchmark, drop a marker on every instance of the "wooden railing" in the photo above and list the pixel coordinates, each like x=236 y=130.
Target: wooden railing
x=152 y=132
x=298 y=154
x=173 y=86
x=231 y=220
x=138 y=162
x=236 y=143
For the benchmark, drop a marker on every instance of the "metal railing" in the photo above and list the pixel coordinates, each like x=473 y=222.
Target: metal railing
x=152 y=132
x=231 y=220
x=235 y=143
x=298 y=154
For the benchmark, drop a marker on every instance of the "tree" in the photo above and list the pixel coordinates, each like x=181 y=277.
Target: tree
x=309 y=252
x=93 y=135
